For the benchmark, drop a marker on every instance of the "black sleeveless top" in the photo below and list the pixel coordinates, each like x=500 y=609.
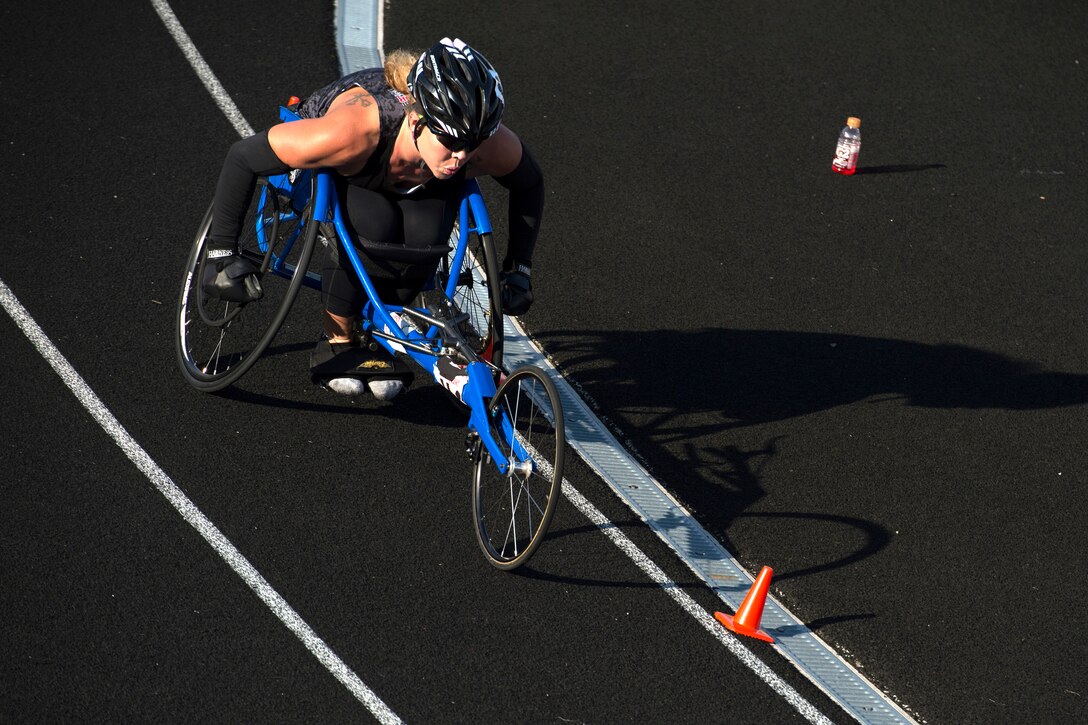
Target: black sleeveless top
x=392 y=105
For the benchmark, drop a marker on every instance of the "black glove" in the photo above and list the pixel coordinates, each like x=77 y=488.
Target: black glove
x=517 y=291
x=232 y=279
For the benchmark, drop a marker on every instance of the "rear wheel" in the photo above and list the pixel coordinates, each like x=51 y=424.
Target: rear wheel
x=476 y=293
x=513 y=509
x=217 y=341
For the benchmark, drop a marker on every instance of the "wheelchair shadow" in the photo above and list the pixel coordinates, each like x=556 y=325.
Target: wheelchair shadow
x=695 y=385
x=414 y=406
x=757 y=376
x=873 y=536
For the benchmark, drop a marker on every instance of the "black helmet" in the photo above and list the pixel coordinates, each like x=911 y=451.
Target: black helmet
x=458 y=92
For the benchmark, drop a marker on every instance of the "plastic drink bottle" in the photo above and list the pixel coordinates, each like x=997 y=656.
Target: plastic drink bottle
x=846 y=153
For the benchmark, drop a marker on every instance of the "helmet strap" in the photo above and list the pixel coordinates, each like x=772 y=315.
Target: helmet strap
x=416 y=131
x=418 y=128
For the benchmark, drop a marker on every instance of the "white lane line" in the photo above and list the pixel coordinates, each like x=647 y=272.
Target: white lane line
x=703 y=554
x=203 y=71
x=657 y=575
x=689 y=605
x=190 y=512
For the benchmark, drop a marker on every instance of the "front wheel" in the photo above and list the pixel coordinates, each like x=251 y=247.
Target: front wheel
x=512 y=509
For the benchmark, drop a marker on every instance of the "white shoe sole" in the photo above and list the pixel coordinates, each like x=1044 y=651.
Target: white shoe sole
x=385 y=389
x=353 y=387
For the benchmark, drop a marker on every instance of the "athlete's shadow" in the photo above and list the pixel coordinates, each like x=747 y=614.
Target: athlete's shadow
x=758 y=376
x=685 y=388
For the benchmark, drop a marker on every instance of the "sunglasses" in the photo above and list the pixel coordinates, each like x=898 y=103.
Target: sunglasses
x=449 y=142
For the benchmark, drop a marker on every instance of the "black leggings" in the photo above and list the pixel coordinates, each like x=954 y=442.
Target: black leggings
x=399 y=239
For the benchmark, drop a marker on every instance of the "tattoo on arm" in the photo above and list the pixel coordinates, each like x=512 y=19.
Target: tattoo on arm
x=360 y=99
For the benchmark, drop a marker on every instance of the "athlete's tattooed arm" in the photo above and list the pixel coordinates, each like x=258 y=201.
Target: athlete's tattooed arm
x=359 y=99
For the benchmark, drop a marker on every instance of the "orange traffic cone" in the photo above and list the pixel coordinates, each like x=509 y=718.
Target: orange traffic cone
x=746 y=620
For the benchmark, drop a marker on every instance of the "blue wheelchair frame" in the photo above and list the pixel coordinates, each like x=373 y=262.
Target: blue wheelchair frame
x=423 y=348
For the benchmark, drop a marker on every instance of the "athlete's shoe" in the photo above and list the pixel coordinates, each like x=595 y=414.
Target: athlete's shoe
x=349 y=368
x=231 y=278
x=351 y=387
x=385 y=389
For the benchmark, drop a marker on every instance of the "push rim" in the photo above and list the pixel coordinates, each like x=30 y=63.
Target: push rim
x=217 y=342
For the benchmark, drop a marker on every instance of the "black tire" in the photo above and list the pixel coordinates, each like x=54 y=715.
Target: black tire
x=512 y=511
x=216 y=341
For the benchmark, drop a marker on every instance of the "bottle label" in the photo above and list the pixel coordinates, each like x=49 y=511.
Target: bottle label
x=846 y=154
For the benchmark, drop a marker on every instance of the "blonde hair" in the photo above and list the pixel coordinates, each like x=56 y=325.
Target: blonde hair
x=398 y=63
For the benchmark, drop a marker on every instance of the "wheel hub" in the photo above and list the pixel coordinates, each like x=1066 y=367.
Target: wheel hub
x=520 y=468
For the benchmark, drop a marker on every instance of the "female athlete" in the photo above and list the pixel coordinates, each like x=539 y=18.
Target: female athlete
x=403 y=139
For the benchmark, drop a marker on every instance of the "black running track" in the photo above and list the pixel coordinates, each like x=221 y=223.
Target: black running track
x=876 y=385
